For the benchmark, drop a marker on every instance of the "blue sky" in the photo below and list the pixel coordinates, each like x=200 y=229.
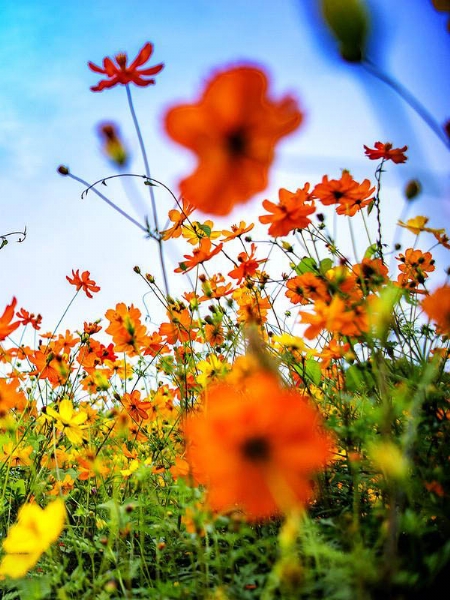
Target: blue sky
x=48 y=116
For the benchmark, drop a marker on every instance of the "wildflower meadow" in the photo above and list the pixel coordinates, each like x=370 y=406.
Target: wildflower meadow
x=284 y=431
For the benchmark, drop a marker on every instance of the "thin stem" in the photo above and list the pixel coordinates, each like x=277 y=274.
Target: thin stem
x=111 y=204
x=408 y=98
x=152 y=195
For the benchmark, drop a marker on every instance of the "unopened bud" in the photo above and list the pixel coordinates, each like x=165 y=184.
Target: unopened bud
x=412 y=189
x=62 y=170
x=349 y=22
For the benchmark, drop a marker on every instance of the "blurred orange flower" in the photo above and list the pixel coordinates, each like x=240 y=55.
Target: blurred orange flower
x=233 y=129
x=256 y=446
x=437 y=307
x=386 y=152
x=27 y=318
x=6 y=327
x=83 y=282
x=120 y=73
x=290 y=213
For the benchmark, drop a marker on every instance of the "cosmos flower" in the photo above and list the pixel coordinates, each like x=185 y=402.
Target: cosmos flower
x=120 y=73
x=233 y=130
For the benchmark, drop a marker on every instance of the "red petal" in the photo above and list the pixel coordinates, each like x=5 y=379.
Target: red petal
x=110 y=67
x=106 y=83
x=151 y=70
x=95 y=68
x=142 y=57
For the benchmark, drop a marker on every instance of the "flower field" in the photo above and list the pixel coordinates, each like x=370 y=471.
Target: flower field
x=284 y=431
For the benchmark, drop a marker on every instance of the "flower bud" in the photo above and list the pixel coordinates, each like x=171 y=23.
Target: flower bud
x=62 y=170
x=349 y=22
x=412 y=189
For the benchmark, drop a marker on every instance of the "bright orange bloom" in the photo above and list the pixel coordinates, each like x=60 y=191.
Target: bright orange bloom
x=199 y=255
x=290 y=213
x=126 y=329
x=335 y=318
x=135 y=407
x=122 y=74
x=386 y=152
x=6 y=327
x=346 y=192
x=180 y=328
x=252 y=307
x=233 y=129
x=10 y=398
x=29 y=319
x=178 y=217
x=212 y=288
x=248 y=265
x=305 y=288
x=236 y=231
x=414 y=266
x=437 y=307
x=371 y=273
x=256 y=446
x=83 y=282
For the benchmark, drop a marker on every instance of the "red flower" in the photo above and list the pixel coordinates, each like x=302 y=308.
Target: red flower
x=248 y=265
x=386 y=152
x=83 y=282
x=6 y=327
x=290 y=213
x=233 y=129
x=199 y=255
x=122 y=74
x=29 y=318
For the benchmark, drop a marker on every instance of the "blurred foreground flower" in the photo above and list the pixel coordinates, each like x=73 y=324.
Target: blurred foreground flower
x=233 y=129
x=112 y=143
x=256 y=446
x=36 y=529
x=83 y=282
x=123 y=74
x=437 y=307
x=349 y=22
x=6 y=327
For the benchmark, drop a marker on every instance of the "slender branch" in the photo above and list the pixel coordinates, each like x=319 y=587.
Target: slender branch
x=105 y=199
x=371 y=68
x=152 y=195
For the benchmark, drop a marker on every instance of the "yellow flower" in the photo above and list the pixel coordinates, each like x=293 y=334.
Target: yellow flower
x=69 y=421
x=196 y=231
x=211 y=369
x=417 y=224
x=36 y=529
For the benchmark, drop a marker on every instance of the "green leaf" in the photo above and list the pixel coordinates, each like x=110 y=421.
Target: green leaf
x=371 y=250
x=312 y=371
x=206 y=229
x=306 y=265
x=325 y=265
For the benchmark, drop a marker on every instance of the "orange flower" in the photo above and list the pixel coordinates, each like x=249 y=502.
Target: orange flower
x=335 y=318
x=346 y=192
x=306 y=287
x=83 y=282
x=248 y=265
x=437 y=307
x=199 y=255
x=233 y=130
x=386 y=152
x=10 y=397
x=290 y=213
x=123 y=74
x=236 y=231
x=27 y=318
x=6 y=327
x=126 y=329
x=414 y=267
x=135 y=407
x=256 y=446
x=177 y=217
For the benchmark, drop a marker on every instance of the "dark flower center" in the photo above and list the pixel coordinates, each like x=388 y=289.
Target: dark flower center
x=236 y=142
x=337 y=194
x=256 y=449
